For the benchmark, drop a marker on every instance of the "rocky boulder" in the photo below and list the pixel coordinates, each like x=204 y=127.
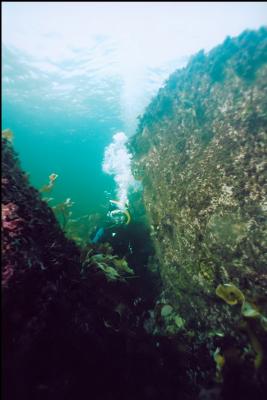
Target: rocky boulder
x=200 y=151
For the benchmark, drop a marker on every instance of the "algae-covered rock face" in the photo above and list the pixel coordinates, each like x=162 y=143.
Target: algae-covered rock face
x=200 y=150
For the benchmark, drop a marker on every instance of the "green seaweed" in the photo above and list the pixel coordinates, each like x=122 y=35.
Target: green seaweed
x=113 y=267
x=249 y=311
x=230 y=294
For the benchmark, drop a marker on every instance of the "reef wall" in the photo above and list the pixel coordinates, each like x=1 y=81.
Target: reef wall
x=200 y=151
x=39 y=266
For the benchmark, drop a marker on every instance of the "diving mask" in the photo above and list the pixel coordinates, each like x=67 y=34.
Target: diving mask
x=117 y=216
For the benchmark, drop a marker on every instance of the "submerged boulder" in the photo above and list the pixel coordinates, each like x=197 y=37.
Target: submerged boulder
x=38 y=267
x=200 y=151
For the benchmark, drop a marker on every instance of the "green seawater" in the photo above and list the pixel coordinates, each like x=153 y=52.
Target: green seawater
x=76 y=159
x=52 y=136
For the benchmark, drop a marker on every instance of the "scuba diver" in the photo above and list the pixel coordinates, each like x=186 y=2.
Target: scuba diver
x=114 y=231
x=129 y=239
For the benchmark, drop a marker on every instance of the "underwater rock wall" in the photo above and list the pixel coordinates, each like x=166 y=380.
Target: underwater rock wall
x=32 y=238
x=200 y=151
x=38 y=265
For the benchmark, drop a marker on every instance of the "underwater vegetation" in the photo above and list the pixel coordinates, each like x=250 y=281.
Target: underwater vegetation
x=10 y=229
x=50 y=185
x=250 y=311
x=75 y=229
x=113 y=267
x=63 y=212
x=230 y=294
x=8 y=135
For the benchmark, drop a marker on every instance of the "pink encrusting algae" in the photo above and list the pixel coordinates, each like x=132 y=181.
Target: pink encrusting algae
x=11 y=230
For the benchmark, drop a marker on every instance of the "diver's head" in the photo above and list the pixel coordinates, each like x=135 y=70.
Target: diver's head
x=117 y=217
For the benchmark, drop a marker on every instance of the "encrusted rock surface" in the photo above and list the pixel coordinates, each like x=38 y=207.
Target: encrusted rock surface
x=200 y=152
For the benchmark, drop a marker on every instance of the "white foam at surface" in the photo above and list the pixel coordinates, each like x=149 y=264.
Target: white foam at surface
x=117 y=162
